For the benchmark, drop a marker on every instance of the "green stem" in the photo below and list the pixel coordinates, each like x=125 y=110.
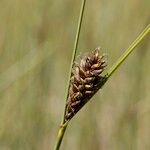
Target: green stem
x=128 y=51
x=64 y=124
x=60 y=136
x=74 y=50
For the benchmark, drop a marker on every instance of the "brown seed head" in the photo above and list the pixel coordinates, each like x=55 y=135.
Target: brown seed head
x=86 y=79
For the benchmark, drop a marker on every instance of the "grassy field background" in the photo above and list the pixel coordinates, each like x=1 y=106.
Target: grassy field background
x=36 y=42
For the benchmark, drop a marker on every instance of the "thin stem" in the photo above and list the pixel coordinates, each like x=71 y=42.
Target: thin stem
x=74 y=50
x=64 y=124
x=60 y=136
x=128 y=51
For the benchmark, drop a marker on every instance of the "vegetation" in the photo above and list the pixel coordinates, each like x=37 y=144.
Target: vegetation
x=35 y=49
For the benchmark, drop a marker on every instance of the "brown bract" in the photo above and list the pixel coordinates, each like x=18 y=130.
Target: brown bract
x=86 y=79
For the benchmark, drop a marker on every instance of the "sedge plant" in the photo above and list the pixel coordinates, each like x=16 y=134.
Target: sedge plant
x=86 y=78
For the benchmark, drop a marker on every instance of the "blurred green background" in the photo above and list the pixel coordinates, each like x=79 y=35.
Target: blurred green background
x=36 y=42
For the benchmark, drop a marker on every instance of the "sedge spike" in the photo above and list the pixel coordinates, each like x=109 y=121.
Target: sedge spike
x=86 y=79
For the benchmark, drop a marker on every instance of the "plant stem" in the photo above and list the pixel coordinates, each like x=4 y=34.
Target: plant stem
x=60 y=136
x=128 y=51
x=74 y=50
x=64 y=124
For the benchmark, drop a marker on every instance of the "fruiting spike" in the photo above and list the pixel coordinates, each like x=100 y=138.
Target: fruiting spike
x=85 y=81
